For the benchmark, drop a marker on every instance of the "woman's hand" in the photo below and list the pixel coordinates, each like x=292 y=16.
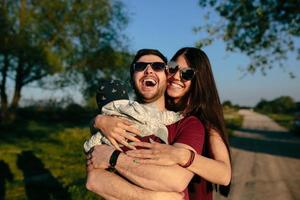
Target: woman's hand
x=117 y=130
x=159 y=154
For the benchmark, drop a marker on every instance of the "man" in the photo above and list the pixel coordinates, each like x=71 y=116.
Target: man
x=149 y=82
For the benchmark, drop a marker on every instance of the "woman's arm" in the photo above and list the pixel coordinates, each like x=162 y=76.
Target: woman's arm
x=189 y=134
x=216 y=169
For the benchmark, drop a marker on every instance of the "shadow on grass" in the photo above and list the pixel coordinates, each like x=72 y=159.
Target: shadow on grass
x=39 y=182
x=270 y=142
x=5 y=175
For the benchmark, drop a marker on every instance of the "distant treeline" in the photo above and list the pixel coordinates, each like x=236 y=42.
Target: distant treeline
x=70 y=111
x=282 y=104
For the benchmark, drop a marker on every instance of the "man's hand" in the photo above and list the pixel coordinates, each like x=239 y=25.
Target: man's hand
x=99 y=156
x=117 y=130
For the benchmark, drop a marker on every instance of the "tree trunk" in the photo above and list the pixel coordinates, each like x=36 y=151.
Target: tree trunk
x=18 y=86
x=4 y=103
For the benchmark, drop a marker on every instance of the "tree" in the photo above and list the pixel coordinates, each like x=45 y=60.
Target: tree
x=264 y=30
x=283 y=104
x=227 y=103
x=39 y=38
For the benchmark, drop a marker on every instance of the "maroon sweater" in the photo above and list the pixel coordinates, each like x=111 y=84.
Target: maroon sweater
x=189 y=131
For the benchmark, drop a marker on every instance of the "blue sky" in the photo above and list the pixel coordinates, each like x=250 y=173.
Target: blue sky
x=167 y=26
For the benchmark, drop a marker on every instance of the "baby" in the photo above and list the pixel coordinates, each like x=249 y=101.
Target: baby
x=112 y=99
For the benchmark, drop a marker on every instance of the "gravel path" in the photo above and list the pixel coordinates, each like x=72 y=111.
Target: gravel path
x=266 y=161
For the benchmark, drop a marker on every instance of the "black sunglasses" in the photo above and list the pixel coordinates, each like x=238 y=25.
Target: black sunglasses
x=186 y=73
x=156 y=66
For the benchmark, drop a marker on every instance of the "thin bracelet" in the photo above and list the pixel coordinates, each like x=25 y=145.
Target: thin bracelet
x=190 y=161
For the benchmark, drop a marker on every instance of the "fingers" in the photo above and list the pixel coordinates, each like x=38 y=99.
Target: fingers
x=133 y=130
x=89 y=162
x=126 y=122
x=130 y=137
x=88 y=156
x=89 y=167
x=114 y=143
x=125 y=143
x=121 y=131
x=128 y=128
x=143 y=144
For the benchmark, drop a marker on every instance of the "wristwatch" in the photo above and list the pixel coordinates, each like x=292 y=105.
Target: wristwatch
x=114 y=158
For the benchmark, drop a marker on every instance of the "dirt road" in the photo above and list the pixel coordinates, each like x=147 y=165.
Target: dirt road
x=266 y=161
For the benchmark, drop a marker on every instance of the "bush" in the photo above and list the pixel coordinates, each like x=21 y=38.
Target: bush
x=284 y=104
x=71 y=113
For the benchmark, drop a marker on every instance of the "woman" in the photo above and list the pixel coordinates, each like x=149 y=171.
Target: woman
x=191 y=90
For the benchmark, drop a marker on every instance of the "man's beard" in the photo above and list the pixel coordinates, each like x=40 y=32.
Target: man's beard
x=156 y=96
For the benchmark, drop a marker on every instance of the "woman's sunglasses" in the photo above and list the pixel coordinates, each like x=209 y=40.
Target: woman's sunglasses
x=156 y=66
x=186 y=74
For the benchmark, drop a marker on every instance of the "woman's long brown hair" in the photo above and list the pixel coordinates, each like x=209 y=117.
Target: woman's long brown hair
x=202 y=100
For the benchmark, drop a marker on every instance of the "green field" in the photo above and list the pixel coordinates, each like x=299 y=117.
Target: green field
x=233 y=120
x=40 y=160
x=285 y=120
x=45 y=160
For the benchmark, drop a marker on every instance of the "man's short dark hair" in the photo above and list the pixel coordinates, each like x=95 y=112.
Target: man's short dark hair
x=143 y=52
x=140 y=53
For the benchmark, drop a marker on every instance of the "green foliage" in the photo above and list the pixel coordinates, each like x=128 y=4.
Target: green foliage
x=57 y=147
x=264 y=30
x=227 y=103
x=284 y=104
x=285 y=120
x=39 y=38
x=232 y=119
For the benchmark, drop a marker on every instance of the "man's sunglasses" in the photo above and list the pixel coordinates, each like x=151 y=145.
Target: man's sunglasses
x=186 y=74
x=156 y=66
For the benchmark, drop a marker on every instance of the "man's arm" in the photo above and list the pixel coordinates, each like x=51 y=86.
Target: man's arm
x=111 y=186
x=154 y=177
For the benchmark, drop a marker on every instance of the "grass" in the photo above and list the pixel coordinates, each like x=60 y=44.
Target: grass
x=233 y=120
x=44 y=160
x=285 y=120
x=36 y=156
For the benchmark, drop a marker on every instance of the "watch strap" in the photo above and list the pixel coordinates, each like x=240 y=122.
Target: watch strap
x=114 y=158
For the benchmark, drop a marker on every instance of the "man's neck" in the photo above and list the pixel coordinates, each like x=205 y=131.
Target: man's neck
x=159 y=103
